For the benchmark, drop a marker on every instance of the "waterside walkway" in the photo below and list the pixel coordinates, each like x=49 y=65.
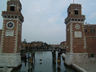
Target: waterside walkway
x=89 y=67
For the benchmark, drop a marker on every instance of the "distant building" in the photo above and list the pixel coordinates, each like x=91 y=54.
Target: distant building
x=33 y=45
x=81 y=38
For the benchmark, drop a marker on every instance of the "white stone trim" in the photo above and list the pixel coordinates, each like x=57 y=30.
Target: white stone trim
x=13 y=5
x=75 y=22
x=85 y=44
x=16 y=38
x=71 y=38
x=77 y=34
x=79 y=68
x=12 y=19
x=9 y=33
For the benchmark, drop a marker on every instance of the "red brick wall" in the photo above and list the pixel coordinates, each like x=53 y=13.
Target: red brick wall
x=68 y=38
x=91 y=45
x=9 y=41
x=78 y=43
x=90 y=38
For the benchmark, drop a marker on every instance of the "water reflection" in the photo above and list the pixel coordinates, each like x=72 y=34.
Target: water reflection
x=43 y=62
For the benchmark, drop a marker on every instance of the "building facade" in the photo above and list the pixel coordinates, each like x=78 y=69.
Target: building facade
x=81 y=38
x=11 y=35
x=90 y=34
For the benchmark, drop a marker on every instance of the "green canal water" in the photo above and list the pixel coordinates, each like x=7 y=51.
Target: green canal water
x=43 y=62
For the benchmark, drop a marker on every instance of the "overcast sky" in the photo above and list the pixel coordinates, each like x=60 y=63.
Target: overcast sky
x=44 y=19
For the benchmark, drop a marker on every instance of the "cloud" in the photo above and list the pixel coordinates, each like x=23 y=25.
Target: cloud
x=44 y=19
x=53 y=19
x=93 y=15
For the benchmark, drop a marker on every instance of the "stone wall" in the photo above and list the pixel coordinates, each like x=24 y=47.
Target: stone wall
x=79 y=58
x=75 y=58
x=10 y=59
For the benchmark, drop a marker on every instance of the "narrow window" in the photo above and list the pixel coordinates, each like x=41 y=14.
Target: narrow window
x=69 y=12
x=85 y=30
x=12 y=16
x=82 y=20
x=8 y=16
x=76 y=12
x=15 y=16
x=78 y=19
x=12 y=8
x=75 y=19
x=72 y=19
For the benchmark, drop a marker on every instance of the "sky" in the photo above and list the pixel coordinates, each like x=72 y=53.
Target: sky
x=44 y=19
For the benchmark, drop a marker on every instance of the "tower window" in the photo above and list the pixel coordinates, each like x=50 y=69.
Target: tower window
x=12 y=16
x=12 y=8
x=78 y=19
x=72 y=19
x=8 y=16
x=85 y=30
x=82 y=20
x=76 y=12
x=15 y=16
x=69 y=12
x=75 y=19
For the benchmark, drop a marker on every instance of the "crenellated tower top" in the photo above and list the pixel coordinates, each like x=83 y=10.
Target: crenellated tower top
x=74 y=13
x=14 y=8
x=14 y=5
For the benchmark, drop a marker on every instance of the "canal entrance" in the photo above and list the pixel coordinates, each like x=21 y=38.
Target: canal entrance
x=43 y=62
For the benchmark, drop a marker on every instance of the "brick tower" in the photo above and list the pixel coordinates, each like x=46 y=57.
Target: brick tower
x=76 y=44
x=11 y=34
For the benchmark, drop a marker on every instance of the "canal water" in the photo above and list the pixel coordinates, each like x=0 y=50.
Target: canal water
x=43 y=62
